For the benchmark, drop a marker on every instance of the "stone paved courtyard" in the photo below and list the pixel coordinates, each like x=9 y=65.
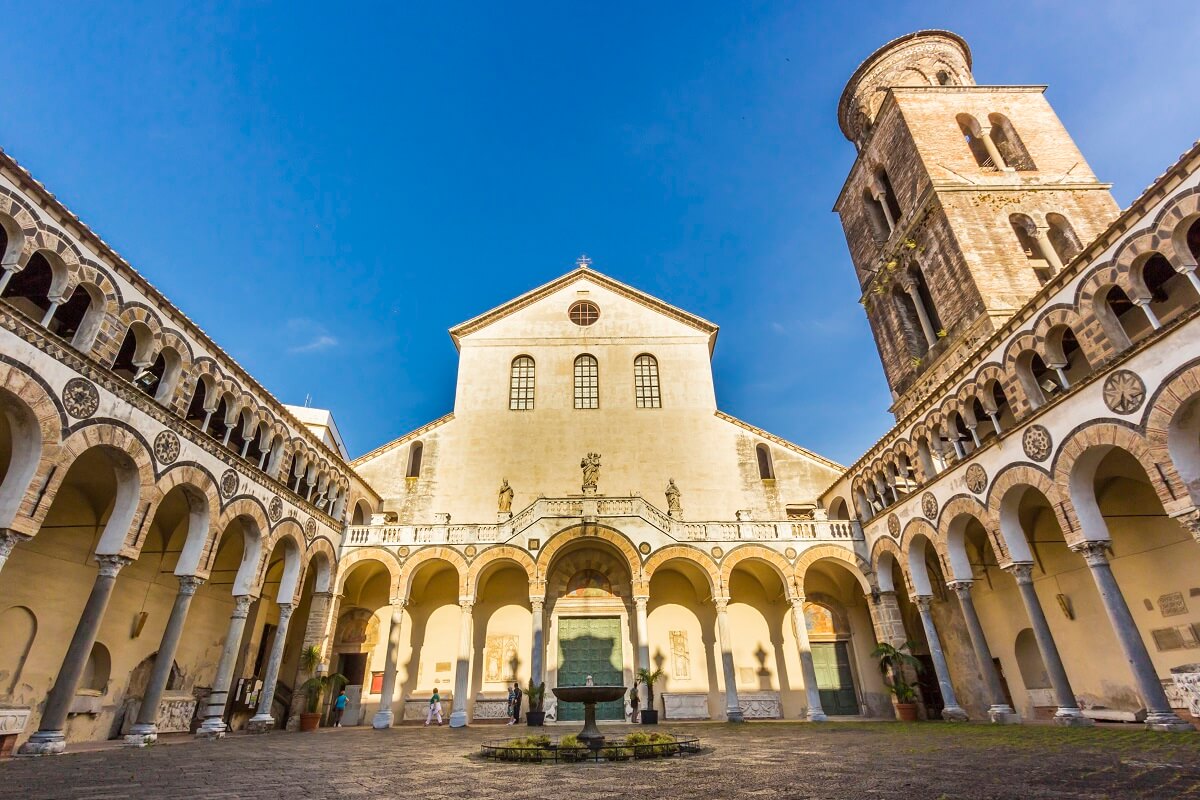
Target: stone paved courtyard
x=792 y=760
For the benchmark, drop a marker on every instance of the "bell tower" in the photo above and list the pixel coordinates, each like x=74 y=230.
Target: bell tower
x=963 y=202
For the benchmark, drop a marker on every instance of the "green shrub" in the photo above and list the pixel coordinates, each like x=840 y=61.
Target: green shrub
x=571 y=749
x=530 y=748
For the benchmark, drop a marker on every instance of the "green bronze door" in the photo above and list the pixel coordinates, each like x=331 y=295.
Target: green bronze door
x=590 y=646
x=834 y=680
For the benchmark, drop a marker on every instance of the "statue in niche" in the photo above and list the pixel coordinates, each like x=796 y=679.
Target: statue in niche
x=505 y=497
x=591 y=470
x=673 y=506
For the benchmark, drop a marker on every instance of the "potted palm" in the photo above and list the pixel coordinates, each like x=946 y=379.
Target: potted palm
x=314 y=687
x=892 y=663
x=536 y=692
x=648 y=677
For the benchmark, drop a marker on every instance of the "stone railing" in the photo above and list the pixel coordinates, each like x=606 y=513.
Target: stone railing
x=593 y=509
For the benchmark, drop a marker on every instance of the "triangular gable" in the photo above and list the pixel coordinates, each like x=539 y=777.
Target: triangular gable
x=612 y=284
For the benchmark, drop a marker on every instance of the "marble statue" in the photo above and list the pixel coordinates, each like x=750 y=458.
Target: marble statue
x=505 y=497
x=591 y=470
x=673 y=507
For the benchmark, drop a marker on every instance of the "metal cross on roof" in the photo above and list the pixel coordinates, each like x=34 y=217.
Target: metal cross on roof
x=583 y=261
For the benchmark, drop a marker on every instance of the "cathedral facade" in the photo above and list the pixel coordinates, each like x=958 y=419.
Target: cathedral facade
x=179 y=551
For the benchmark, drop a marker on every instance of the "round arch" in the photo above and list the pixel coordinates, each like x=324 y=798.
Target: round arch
x=848 y=559
x=492 y=557
x=692 y=555
x=755 y=552
x=569 y=536
x=414 y=563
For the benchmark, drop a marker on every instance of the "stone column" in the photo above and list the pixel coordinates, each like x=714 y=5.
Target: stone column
x=383 y=717
x=951 y=710
x=50 y=737
x=214 y=726
x=881 y=198
x=643 y=640
x=1144 y=304
x=537 y=604
x=989 y=144
x=1068 y=707
x=887 y=620
x=733 y=708
x=800 y=626
x=462 y=673
x=1046 y=249
x=922 y=314
x=263 y=720
x=1159 y=715
x=145 y=730
x=8 y=540
x=1186 y=269
x=1000 y=710
x=9 y=271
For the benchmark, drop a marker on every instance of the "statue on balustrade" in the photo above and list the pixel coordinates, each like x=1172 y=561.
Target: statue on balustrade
x=674 y=509
x=505 y=497
x=591 y=470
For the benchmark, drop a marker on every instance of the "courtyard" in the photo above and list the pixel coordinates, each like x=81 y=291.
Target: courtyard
x=793 y=760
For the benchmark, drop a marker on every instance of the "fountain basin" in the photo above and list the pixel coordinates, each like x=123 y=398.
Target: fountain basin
x=589 y=696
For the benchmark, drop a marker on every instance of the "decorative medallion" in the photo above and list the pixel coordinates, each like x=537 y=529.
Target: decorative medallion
x=402 y=552
x=790 y=553
x=471 y=551
x=166 y=447
x=929 y=506
x=310 y=529
x=894 y=526
x=229 y=482
x=976 y=478
x=275 y=511
x=1037 y=442
x=717 y=552
x=644 y=548
x=80 y=398
x=1124 y=392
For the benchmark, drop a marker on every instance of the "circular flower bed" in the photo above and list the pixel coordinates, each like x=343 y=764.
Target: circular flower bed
x=636 y=745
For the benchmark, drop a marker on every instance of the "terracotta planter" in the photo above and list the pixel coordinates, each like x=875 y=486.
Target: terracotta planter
x=309 y=722
x=906 y=712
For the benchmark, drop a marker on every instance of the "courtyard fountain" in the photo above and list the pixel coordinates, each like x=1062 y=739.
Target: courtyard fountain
x=589 y=695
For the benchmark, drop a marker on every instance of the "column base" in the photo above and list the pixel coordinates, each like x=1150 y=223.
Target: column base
x=1003 y=715
x=260 y=723
x=383 y=719
x=816 y=716
x=1072 y=718
x=1164 y=722
x=45 y=743
x=458 y=719
x=212 y=728
x=141 y=735
x=954 y=714
x=734 y=715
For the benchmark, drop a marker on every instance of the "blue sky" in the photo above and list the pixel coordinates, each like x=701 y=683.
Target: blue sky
x=327 y=192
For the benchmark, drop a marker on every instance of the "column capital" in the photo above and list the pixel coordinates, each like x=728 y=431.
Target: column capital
x=1094 y=551
x=285 y=611
x=537 y=602
x=923 y=601
x=960 y=586
x=641 y=599
x=241 y=605
x=110 y=565
x=399 y=602
x=10 y=539
x=797 y=601
x=467 y=605
x=1190 y=519
x=188 y=584
x=1021 y=570
x=721 y=603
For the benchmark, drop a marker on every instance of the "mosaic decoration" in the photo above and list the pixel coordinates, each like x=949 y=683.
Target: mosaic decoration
x=310 y=529
x=644 y=548
x=402 y=552
x=275 y=511
x=1124 y=392
x=717 y=552
x=894 y=526
x=80 y=398
x=929 y=506
x=976 y=478
x=1037 y=442
x=470 y=551
x=166 y=447
x=790 y=553
x=229 y=482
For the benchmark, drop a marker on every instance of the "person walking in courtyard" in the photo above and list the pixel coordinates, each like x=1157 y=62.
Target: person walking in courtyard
x=516 y=703
x=339 y=708
x=435 y=707
x=512 y=698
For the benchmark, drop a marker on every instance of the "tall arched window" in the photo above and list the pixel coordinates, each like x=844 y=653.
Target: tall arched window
x=520 y=389
x=1011 y=148
x=415 y=451
x=645 y=381
x=766 y=470
x=587 y=382
x=1062 y=237
x=1027 y=237
x=975 y=142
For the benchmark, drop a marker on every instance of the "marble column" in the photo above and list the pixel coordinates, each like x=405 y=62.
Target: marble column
x=145 y=729
x=800 y=626
x=989 y=144
x=733 y=708
x=384 y=716
x=643 y=640
x=462 y=673
x=1068 y=707
x=922 y=314
x=8 y=540
x=950 y=708
x=536 y=657
x=1159 y=715
x=1144 y=304
x=214 y=726
x=263 y=720
x=999 y=710
x=51 y=737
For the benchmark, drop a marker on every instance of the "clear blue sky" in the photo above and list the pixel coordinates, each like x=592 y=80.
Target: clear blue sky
x=326 y=190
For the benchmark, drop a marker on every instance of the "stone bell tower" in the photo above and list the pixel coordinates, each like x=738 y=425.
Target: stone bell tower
x=963 y=202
